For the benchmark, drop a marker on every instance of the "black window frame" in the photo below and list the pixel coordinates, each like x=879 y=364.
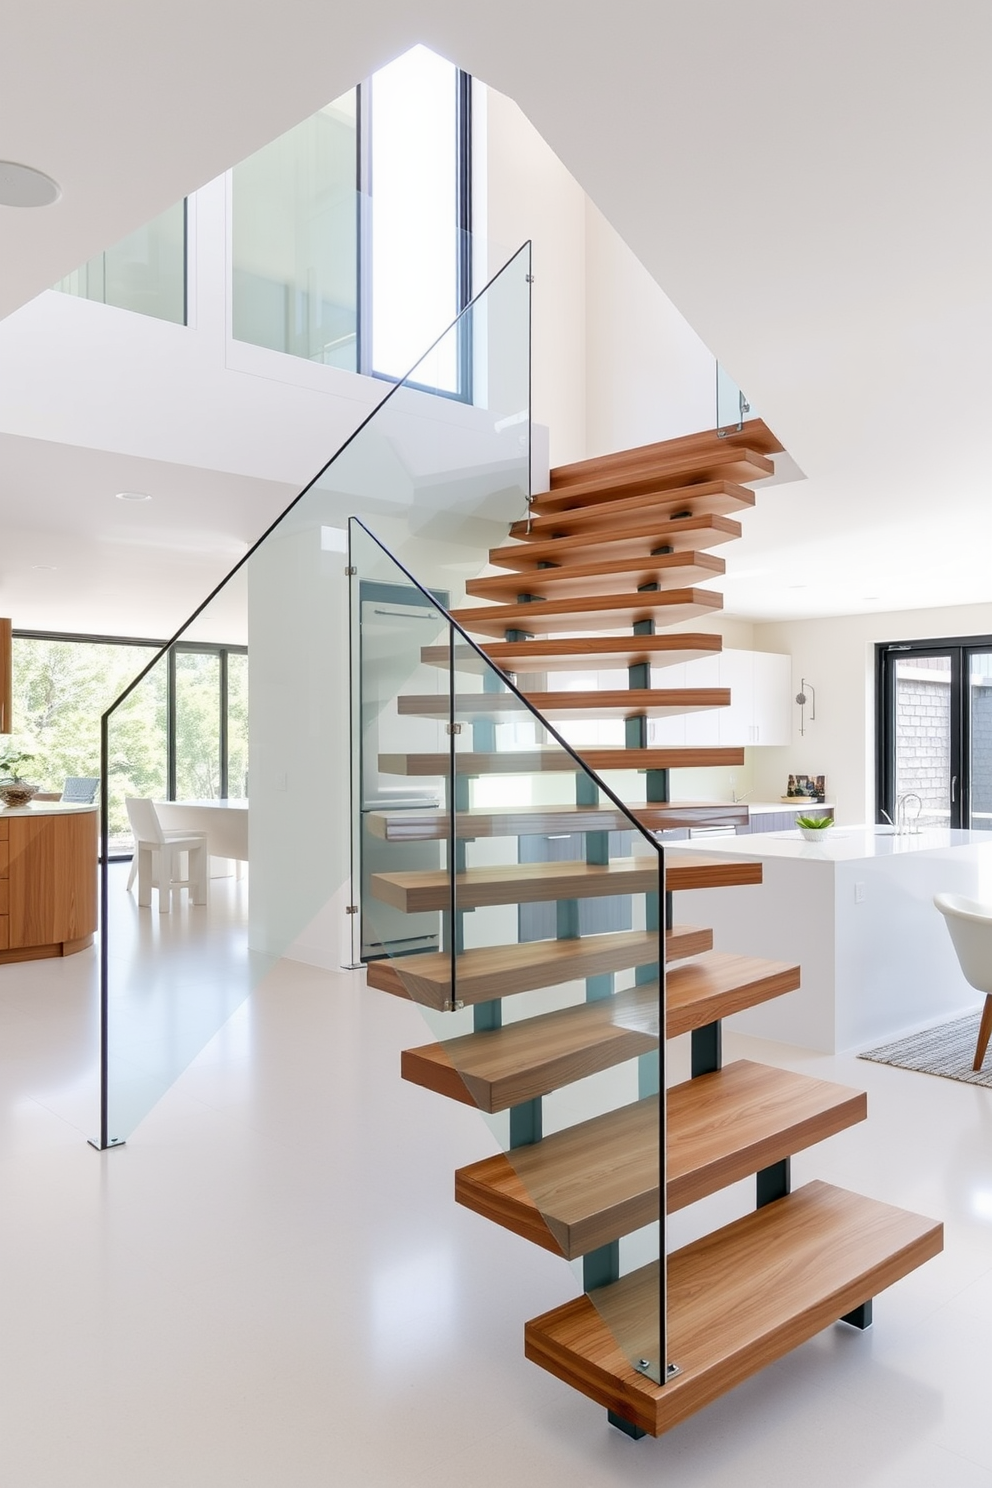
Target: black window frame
x=887 y=653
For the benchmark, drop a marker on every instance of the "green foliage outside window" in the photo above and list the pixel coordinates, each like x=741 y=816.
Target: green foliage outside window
x=61 y=689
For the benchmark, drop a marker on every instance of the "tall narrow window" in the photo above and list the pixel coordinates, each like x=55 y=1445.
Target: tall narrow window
x=351 y=232
x=295 y=240
x=414 y=189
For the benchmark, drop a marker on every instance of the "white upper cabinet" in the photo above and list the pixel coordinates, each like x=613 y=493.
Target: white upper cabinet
x=772 y=714
x=760 y=710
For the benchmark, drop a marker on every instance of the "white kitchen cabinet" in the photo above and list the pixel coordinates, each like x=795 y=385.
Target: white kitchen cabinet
x=772 y=713
x=702 y=729
x=669 y=733
x=736 y=722
x=760 y=711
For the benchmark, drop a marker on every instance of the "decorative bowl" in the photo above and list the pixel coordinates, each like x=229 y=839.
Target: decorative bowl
x=17 y=795
x=814 y=834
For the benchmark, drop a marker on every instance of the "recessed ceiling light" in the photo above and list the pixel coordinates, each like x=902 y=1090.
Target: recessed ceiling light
x=44 y=567
x=869 y=596
x=21 y=186
x=797 y=586
x=133 y=496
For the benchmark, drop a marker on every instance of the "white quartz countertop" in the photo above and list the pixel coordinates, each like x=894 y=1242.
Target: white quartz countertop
x=47 y=808
x=841 y=844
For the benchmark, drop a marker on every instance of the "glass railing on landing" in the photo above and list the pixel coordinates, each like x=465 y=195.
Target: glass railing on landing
x=509 y=892
x=261 y=890
x=732 y=407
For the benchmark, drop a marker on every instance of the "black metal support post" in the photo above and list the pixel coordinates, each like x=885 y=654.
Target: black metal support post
x=860 y=1317
x=707 y=1049
x=773 y=1182
x=601 y=1267
x=627 y=1427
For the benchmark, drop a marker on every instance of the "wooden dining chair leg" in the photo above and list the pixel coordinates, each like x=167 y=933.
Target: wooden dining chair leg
x=984 y=1032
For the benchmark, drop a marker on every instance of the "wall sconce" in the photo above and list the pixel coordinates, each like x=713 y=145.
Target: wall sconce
x=802 y=700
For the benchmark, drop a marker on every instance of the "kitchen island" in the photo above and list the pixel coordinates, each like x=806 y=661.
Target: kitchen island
x=856 y=912
x=48 y=866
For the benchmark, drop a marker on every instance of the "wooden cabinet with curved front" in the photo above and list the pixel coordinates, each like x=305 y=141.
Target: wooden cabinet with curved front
x=48 y=880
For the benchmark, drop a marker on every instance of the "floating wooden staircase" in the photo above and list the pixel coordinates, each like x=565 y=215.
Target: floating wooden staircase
x=619 y=545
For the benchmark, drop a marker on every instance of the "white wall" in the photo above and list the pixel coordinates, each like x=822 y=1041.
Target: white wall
x=648 y=375
x=838 y=657
x=530 y=194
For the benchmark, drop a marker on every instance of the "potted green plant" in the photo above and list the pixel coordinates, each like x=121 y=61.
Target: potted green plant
x=813 y=828
x=14 y=789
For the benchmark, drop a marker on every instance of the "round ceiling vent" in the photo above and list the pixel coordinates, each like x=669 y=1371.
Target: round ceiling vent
x=21 y=186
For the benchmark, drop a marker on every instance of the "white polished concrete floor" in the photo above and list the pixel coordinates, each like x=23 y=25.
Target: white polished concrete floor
x=271 y=1285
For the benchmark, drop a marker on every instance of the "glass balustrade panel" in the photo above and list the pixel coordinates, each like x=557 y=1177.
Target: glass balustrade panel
x=446 y=475
x=541 y=987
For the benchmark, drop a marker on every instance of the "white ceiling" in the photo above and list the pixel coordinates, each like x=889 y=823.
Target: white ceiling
x=157 y=559
x=808 y=185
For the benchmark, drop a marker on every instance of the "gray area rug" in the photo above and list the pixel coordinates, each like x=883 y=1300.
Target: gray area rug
x=947 y=1050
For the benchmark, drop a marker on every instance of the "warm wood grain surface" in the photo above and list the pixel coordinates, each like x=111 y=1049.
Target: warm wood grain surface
x=631 y=536
x=433 y=825
x=665 y=471
x=653 y=702
x=508 y=1065
x=574 y=653
x=738 y=1299
x=530 y=883
x=469 y=762
x=715 y=986
x=591 y=611
x=53 y=879
x=499 y=971
x=596 y=1181
x=651 y=514
x=610 y=575
x=755 y=435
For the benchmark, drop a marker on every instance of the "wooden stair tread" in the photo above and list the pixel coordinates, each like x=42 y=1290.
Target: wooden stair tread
x=488 y=972
x=433 y=825
x=476 y=763
x=577 y=653
x=655 y=702
x=632 y=536
x=665 y=470
x=669 y=606
x=608 y=576
x=592 y=1183
x=737 y=1300
x=532 y=883
x=754 y=435
x=718 y=985
x=630 y=512
x=506 y=1066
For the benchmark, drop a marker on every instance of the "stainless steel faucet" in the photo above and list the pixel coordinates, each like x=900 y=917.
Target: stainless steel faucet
x=902 y=816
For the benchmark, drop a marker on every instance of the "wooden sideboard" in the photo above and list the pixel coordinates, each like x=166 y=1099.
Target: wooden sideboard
x=48 y=880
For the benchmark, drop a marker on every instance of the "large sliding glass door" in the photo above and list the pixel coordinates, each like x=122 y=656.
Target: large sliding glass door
x=935 y=732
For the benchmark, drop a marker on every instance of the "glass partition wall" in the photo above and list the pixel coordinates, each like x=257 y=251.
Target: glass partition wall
x=441 y=478
x=144 y=272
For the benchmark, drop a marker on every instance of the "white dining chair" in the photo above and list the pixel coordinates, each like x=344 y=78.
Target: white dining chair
x=970 y=927
x=158 y=855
